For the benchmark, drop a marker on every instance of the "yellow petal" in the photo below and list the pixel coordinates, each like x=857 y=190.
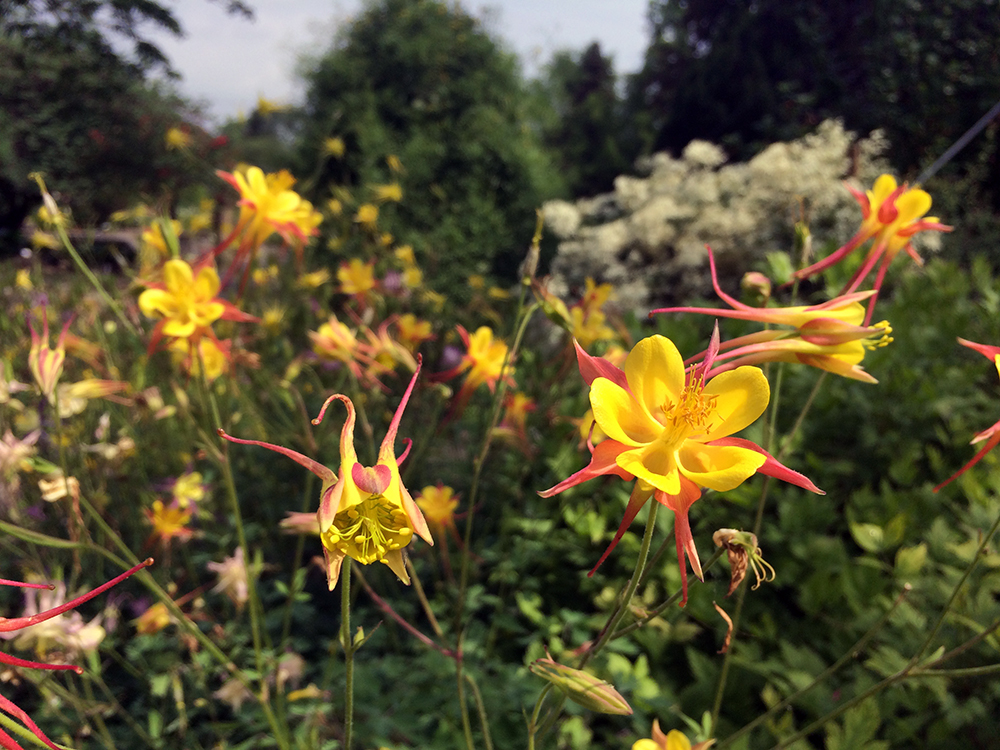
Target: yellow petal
x=155 y=302
x=653 y=464
x=654 y=370
x=394 y=560
x=618 y=414
x=206 y=285
x=911 y=206
x=718 y=467
x=881 y=190
x=741 y=396
x=177 y=276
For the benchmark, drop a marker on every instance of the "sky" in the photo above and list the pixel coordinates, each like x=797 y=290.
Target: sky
x=226 y=62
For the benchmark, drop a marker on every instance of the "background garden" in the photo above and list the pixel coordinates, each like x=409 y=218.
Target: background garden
x=427 y=235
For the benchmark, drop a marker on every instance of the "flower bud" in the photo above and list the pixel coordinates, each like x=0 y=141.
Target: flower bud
x=581 y=687
x=757 y=287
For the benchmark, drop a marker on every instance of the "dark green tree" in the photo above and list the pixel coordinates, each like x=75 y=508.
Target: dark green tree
x=85 y=115
x=588 y=129
x=424 y=81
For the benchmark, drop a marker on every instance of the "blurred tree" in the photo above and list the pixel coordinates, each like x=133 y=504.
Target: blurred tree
x=588 y=130
x=747 y=74
x=422 y=80
x=82 y=113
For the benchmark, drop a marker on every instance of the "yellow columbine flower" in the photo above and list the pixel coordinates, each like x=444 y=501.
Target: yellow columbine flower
x=413 y=277
x=187 y=303
x=45 y=363
x=266 y=206
x=404 y=254
x=394 y=163
x=365 y=514
x=672 y=740
x=267 y=107
x=670 y=429
x=23 y=280
x=589 y=327
x=356 y=277
x=189 y=489
x=153 y=620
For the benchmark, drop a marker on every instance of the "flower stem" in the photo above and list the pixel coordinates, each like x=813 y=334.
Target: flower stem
x=608 y=633
x=345 y=638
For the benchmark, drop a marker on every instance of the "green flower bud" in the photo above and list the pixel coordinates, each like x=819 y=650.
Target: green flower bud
x=581 y=687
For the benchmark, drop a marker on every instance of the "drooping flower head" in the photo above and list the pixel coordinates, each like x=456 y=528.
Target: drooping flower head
x=829 y=336
x=669 y=428
x=10 y=625
x=891 y=215
x=46 y=364
x=991 y=434
x=366 y=513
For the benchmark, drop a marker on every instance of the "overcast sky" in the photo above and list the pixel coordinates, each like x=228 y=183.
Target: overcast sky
x=227 y=62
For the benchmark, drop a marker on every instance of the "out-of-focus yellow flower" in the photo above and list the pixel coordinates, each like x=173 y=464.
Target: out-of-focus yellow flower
x=438 y=504
x=214 y=354
x=202 y=220
x=392 y=191
x=188 y=489
x=514 y=425
x=435 y=299
x=413 y=277
x=168 y=522
x=404 y=254
x=267 y=205
x=590 y=328
x=385 y=239
x=495 y=292
x=477 y=281
x=365 y=513
x=394 y=163
x=272 y=318
x=23 y=280
x=177 y=139
x=335 y=207
x=153 y=245
x=187 y=303
x=268 y=107
x=483 y=363
x=153 y=620
x=334 y=146
x=411 y=331
x=367 y=215
x=44 y=240
x=313 y=280
x=356 y=277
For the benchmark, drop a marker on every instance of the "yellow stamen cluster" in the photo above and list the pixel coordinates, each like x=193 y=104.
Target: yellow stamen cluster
x=880 y=340
x=693 y=408
x=369 y=530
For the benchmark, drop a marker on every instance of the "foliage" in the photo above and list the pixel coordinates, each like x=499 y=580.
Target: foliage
x=424 y=82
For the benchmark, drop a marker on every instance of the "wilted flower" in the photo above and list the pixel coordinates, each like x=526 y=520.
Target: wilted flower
x=669 y=428
x=57 y=486
x=232 y=572
x=742 y=549
x=366 y=514
x=34 y=617
x=234 y=693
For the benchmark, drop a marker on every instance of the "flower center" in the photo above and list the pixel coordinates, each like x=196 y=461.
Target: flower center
x=369 y=530
x=691 y=413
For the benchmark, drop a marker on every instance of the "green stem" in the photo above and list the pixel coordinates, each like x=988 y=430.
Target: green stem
x=348 y=644
x=533 y=724
x=481 y=709
x=608 y=633
x=95 y=282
